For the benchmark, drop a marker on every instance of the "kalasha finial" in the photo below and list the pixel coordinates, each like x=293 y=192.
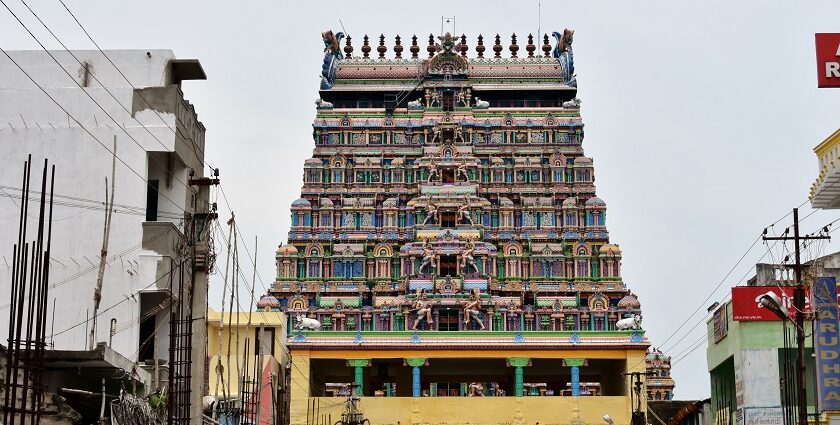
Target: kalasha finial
x=348 y=49
x=398 y=48
x=530 y=47
x=480 y=47
x=381 y=49
x=513 y=46
x=463 y=45
x=497 y=48
x=365 y=47
x=546 y=48
x=431 y=47
x=414 y=49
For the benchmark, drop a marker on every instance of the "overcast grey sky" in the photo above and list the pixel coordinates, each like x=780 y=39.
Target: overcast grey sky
x=701 y=118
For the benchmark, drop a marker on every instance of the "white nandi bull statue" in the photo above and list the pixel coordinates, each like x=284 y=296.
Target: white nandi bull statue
x=634 y=323
x=307 y=323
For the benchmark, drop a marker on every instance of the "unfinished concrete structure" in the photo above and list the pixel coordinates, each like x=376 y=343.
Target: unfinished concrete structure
x=85 y=101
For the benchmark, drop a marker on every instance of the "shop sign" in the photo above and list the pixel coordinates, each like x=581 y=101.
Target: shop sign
x=827 y=343
x=745 y=305
x=828 y=59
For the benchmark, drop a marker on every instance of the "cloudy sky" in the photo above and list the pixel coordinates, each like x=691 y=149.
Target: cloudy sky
x=701 y=118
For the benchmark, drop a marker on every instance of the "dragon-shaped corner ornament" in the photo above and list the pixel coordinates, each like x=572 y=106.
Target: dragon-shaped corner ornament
x=565 y=56
x=332 y=56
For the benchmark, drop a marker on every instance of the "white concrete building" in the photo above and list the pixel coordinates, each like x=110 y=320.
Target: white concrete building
x=152 y=193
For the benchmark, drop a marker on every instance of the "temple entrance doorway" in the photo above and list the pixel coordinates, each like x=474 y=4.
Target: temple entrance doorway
x=447 y=219
x=448 y=320
x=448 y=265
x=447 y=176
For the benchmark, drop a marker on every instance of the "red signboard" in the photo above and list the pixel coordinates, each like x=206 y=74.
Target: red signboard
x=745 y=306
x=828 y=60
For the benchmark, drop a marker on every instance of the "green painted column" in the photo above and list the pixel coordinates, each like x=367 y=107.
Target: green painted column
x=518 y=374
x=359 y=375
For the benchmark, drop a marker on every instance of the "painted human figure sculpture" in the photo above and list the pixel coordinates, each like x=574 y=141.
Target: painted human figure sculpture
x=428 y=258
x=462 y=172
x=464 y=213
x=424 y=311
x=467 y=259
x=472 y=310
x=431 y=214
x=433 y=173
x=476 y=389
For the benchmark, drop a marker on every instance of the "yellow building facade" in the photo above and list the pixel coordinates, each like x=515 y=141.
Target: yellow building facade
x=370 y=362
x=246 y=358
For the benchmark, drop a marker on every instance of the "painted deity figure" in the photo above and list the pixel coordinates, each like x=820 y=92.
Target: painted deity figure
x=423 y=307
x=496 y=390
x=472 y=310
x=467 y=259
x=462 y=172
x=428 y=258
x=464 y=213
x=565 y=56
x=476 y=389
x=433 y=173
x=431 y=213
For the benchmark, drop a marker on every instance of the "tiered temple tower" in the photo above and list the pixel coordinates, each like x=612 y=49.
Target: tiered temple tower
x=660 y=384
x=449 y=242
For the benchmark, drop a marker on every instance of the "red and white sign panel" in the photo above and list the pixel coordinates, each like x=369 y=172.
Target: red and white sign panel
x=828 y=59
x=746 y=308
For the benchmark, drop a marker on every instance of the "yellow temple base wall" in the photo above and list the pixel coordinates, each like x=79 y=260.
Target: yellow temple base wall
x=474 y=410
x=305 y=410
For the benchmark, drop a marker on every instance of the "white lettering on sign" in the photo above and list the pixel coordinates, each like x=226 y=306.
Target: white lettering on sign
x=832 y=69
x=838 y=50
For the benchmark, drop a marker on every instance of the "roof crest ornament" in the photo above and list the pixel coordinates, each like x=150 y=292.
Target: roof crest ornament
x=332 y=56
x=564 y=55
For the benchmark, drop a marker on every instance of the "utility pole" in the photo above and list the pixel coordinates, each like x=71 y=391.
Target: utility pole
x=638 y=416
x=799 y=305
x=103 y=255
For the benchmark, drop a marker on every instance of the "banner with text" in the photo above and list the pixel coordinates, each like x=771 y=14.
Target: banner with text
x=827 y=343
x=828 y=59
x=745 y=305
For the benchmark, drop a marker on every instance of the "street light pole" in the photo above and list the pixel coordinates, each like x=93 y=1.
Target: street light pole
x=799 y=305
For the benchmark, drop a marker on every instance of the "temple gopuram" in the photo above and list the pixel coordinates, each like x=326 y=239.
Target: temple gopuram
x=448 y=260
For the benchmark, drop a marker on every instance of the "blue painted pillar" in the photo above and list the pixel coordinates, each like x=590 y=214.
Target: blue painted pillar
x=415 y=364
x=415 y=381
x=575 y=365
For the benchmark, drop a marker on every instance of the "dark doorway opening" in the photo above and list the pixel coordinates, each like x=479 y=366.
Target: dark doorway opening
x=448 y=320
x=447 y=219
x=448 y=265
x=448 y=101
x=152 y=200
x=447 y=176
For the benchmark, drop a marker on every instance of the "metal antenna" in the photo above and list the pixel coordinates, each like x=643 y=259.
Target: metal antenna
x=342 y=27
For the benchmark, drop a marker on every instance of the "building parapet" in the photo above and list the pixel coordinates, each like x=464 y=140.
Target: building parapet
x=825 y=193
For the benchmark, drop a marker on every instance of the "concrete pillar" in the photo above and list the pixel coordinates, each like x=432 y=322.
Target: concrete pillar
x=416 y=363
x=575 y=365
x=359 y=375
x=518 y=374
